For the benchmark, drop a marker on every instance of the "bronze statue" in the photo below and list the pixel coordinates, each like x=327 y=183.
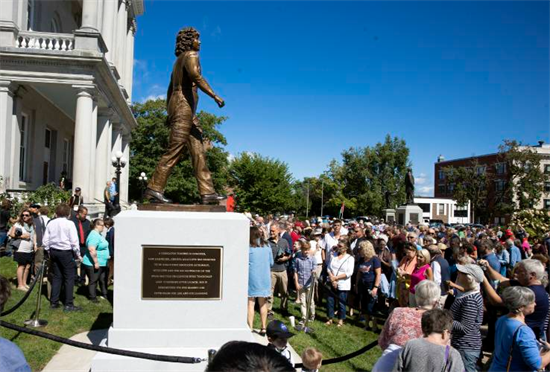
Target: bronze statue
x=181 y=100
x=409 y=187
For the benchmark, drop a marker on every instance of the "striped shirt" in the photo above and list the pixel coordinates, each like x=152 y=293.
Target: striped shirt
x=468 y=315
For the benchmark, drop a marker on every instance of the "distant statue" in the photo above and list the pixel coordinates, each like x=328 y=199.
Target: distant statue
x=387 y=197
x=409 y=187
x=182 y=99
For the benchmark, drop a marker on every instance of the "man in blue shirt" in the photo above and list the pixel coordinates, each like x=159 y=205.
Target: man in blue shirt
x=11 y=357
x=488 y=254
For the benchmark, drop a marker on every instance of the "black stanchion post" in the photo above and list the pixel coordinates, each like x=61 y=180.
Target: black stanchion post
x=37 y=322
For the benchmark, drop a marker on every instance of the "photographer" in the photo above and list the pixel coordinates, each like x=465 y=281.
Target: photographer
x=279 y=278
x=24 y=238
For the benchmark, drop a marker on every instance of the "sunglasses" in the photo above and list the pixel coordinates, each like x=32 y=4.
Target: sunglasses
x=26 y=215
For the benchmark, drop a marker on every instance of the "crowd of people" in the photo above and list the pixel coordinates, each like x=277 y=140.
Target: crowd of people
x=439 y=296
x=80 y=251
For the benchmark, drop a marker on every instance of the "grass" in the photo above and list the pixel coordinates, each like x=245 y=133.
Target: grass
x=39 y=351
x=330 y=340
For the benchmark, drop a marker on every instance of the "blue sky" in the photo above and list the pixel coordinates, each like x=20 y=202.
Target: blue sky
x=303 y=81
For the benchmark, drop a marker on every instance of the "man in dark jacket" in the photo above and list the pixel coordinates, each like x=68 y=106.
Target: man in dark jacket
x=83 y=228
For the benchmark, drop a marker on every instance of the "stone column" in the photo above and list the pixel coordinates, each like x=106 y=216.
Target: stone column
x=93 y=145
x=9 y=18
x=122 y=27
x=125 y=175
x=129 y=69
x=110 y=8
x=82 y=138
x=103 y=152
x=90 y=15
x=6 y=133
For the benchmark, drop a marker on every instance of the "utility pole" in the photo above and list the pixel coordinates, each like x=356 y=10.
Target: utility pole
x=307 y=201
x=322 y=199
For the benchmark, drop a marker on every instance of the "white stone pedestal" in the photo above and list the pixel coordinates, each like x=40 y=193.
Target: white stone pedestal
x=409 y=213
x=183 y=327
x=389 y=215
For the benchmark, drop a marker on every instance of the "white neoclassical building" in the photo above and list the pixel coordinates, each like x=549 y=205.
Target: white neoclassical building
x=65 y=91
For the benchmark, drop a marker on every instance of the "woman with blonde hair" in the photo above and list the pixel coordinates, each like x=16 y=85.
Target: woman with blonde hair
x=369 y=272
x=421 y=272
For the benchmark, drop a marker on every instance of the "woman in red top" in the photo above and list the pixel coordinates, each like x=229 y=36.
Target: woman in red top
x=421 y=272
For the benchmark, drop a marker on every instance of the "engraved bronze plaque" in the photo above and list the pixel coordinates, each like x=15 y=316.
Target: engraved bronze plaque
x=181 y=273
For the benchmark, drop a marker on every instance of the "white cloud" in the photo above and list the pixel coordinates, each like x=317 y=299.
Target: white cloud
x=153 y=97
x=230 y=157
x=426 y=190
x=217 y=32
x=421 y=179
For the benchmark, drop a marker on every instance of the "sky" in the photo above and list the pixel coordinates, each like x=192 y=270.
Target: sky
x=303 y=81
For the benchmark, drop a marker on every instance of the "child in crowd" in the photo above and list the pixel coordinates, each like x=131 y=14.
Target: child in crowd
x=278 y=335
x=311 y=359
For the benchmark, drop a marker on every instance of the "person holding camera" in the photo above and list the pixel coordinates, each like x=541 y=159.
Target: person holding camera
x=279 y=278
x=24 y=238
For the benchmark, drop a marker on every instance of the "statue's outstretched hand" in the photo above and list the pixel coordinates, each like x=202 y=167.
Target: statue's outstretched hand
x=219 y=101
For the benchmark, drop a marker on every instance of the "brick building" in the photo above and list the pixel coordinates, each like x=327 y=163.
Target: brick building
x=495 y=167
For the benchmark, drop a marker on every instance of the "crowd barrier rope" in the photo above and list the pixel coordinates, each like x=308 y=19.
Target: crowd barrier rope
x=27 y=294
x=148 y=356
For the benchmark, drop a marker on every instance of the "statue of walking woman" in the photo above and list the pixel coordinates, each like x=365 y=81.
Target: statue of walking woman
x=182 y=100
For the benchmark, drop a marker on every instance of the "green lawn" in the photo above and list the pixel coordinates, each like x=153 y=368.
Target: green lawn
x=39 y=351
x=330 y=340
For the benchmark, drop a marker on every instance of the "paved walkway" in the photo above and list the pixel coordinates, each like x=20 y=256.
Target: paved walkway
x=73 y=359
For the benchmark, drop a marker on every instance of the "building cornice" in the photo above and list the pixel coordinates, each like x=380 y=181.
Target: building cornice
x=68 y=68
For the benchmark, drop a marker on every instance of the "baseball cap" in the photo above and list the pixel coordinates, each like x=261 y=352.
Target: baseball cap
x=77 y=189
x=318 y=232
x=34 y=205
x=278 y=329
x=472 y=270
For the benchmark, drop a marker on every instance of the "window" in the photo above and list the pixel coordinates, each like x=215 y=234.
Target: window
x=441 y=175
x=546 y=168
x=499 y=185
x=480 y=170
x=441 y=189
x=500 y=168
x=546 y=203
x=425 y=207
x=24 y=131
x=441 y=209
x=30 y=15
x=55 y=23
x=66 y=156
x=547 y=186
x=48 y=139
x=451 y=187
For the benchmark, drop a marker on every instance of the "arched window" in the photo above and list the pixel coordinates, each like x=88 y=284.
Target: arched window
x=55 y=23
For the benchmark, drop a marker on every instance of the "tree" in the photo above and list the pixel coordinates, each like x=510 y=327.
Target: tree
x=150 y=139
x=261 y=184
x=526 y=178
x=468 y=184
x=366 y=173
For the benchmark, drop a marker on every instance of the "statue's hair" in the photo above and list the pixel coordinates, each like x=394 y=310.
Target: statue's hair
x=184 y=40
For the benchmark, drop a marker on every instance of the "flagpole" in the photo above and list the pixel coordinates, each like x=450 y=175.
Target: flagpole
x=322 y=199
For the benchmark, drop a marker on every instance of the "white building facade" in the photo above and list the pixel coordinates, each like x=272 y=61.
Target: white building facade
x=443 y=209
x=66 y=71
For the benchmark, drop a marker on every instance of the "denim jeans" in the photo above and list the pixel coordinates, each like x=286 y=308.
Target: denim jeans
x=469 y=358
x=342 y=298
x=4 y=241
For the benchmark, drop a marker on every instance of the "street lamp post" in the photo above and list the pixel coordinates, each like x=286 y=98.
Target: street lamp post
x=118 y=162
x=143 y=181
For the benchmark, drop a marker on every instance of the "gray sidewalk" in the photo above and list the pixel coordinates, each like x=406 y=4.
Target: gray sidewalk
x=73 y=359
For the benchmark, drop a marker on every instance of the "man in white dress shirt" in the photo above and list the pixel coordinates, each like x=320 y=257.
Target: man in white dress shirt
x=61 y=242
